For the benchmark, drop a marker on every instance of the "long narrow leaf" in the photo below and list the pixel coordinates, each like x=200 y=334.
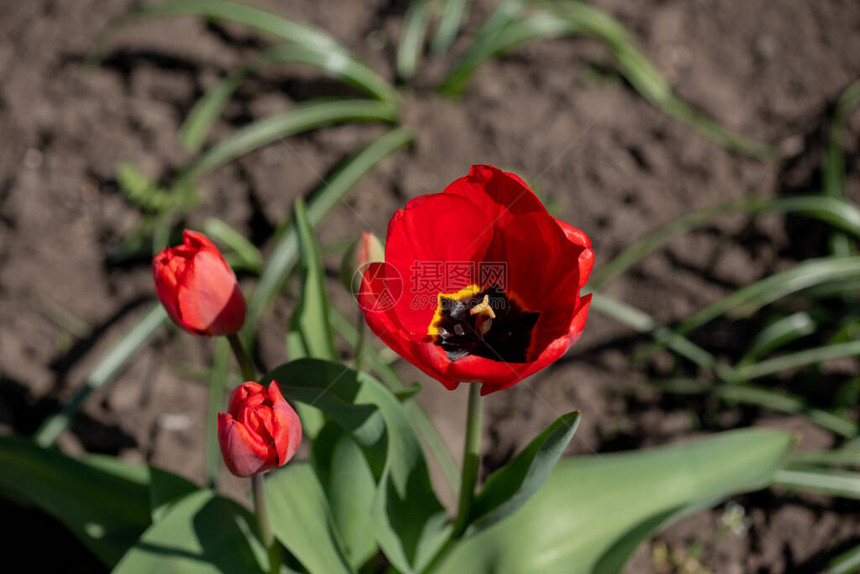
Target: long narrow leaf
x=108 y=368
x=224 y=11
x=775 y=400
x=778 y=334
x=336 y=64
x=798 y=359
x=832 y=482
x=450 y=22
x=753 y=297
x=836 y=212
x=643 y=323
x=833 y=164
x=303 y=117
x=246 y=252
x=415 y=24
x=285 y=252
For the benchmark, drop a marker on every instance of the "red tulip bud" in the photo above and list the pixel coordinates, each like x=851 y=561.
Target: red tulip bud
x=198 y=288
x=260 y=432
x=366 y=249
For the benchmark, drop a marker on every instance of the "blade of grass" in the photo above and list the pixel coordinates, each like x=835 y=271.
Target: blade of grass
x=415 y=23
x=450 y=22
x=302 y=118
x=831 y=482
x=833 y=164
x=217 y=389
x=336 y=64
x=641 y=322
x=502 y=36
x=845 y=563
x=839 y=457
x=778 y=334
x=224 y=234
x=836 y=212
x=798 y=359
x=223 y=11
x=761 y=397
x=568 y=18
x=753 y=297
x=107 y=369
x=285 y=253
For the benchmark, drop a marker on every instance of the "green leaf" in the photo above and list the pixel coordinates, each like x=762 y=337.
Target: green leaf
x=751 y=298
x=216 y=404
x=593 y=511
x=778 y=334
x=409 y=522
x=798 y=359
x=415 y=23
x=845 y=563
x=779 y=401
x=302 y=520
x=219 y=10
x=450 y=22
x=338 y=64
x=310 y=319
x=202 y=533
x=428 y=432
x=509 y=488
x=165 y=489
x=247 y=256
x=285 y=252
x=349 y=486
x=643 y=323
x=553 y=19
x=833 y=164
x=107 y=369
x=831 y=482
x=104 y=505
x=301 y=118
x=841 y=214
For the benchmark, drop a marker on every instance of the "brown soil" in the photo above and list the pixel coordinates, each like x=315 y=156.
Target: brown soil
x=615 y=166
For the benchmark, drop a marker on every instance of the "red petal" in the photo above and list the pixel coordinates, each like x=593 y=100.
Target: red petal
x=498 y=193
x=243 y=454
x=431 y=231
x=242 y=394
x=586 y=256
x=288 y=432
x=210 y=301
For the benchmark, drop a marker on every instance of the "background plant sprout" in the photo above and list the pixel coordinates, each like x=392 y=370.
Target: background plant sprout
x=138 y=517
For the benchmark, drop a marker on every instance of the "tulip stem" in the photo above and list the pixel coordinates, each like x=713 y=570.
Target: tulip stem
x=471 y=459
x=263 y=526
x=359 y=344
x=471 y=464
x=242 y=358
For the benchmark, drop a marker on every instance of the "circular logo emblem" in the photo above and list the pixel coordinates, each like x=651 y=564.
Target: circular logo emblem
x=379 y=286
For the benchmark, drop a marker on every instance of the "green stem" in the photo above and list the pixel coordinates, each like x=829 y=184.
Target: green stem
x=263 y=526
x=471 y=464
x=359 y=343
x=242 y=358
x=471 y=459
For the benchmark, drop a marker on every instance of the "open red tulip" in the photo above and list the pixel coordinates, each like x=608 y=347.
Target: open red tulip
x=260 y=431
x=198 y=288
x=480 y=284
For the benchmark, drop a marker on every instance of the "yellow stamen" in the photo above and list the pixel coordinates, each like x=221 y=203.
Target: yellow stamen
x=483 y=308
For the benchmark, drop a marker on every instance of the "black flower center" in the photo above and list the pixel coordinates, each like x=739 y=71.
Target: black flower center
x=487 y=323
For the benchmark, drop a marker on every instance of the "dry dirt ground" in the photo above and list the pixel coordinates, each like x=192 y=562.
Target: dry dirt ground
x=614 y=165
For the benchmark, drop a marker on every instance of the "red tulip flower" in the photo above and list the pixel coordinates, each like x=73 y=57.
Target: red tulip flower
x=198 y=288
x=260 y=431
x=480 y=284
